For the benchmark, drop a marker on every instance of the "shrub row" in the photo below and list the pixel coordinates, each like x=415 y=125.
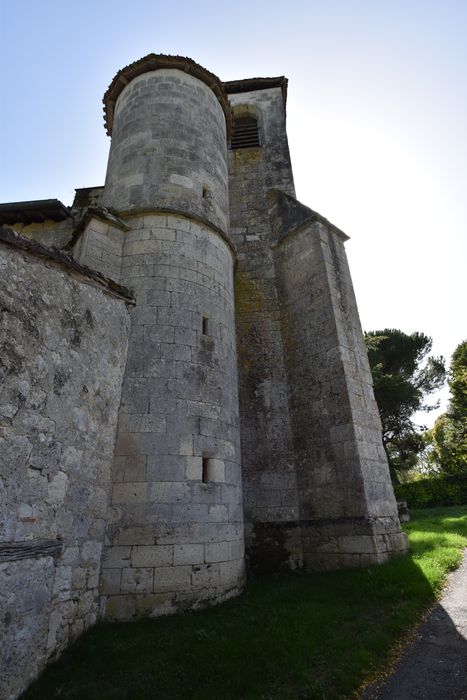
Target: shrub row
x=438 y=491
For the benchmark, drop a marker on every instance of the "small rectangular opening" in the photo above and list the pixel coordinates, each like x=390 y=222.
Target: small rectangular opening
x=205 y=470
x=245 y=133
x=205 y=325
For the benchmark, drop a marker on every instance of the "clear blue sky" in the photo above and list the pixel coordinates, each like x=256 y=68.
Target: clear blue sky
x=377 y=116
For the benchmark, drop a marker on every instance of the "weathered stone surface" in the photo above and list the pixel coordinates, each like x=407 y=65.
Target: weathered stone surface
x=153 y=507
x=269 y=477
x=185 y=430
x=62 y=350
x=403 y=510
x=169 y=142
x=310 y=430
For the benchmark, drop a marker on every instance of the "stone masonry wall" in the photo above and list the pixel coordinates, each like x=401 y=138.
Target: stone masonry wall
x=50 y=233
x=316 y=482
x=63 y=341
x=174 y=541
x=120 y=432
x=100 y=247
x=347 y=508
x=269 y=479
x=168 y=148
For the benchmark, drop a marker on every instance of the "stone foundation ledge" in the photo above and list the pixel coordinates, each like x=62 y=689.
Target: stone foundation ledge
x=352 y=542
x=325 y=544
x=135 y=606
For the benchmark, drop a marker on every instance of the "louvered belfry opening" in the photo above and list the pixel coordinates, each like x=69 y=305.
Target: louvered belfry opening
x=245 y=133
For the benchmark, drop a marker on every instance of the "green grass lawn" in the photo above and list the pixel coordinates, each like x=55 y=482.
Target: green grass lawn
x=316 y=636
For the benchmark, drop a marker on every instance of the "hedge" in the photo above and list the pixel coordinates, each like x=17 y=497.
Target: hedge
x=438 y=491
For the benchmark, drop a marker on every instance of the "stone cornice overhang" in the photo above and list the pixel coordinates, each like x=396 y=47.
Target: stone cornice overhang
x=34 y=211
x=289 y=217
x=153 y=62
x=233 y=87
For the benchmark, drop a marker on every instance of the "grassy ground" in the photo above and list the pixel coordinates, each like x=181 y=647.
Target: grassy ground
x=296 y=637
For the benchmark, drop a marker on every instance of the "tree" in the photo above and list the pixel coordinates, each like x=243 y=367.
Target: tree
x=447 y=440
x=458 y=385
x=403 y=376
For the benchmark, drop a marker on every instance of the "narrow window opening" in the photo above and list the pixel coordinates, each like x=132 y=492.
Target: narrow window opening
x=205 y=192
x=245 y=133
x=205 y=470
x=205 y=325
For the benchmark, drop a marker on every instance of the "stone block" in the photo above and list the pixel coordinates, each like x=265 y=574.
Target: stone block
x=204 y=532
x=159 y=333
x=169 y=492
x=138 y=580
x=186 y=445
x=93 y=576
x=358 y=545
x=174 y=352
x=217 y=551
x=134 y=468
x=188 y=554
x=116 y=557
x=216 y=470
x=163 y=234
x=218 y=513
x=63 y=578
x=236 y=549
x=186 y=336
x=205 y=576
x=146 y=247
x=399 y=542
x=120 y=607
x=230 y=531
x=127 y=444
x=166 y=468
x=205 y=493
x=178 y=533
x=155 y=604
x=78 y=579
x=194 y=468
x=155 y=555
x=145 y=423
x=173 y=578
x=135 y=535
x=232 y=573
x=131 y=492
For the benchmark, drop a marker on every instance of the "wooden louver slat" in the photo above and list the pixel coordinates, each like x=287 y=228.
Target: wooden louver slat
x=245 y=133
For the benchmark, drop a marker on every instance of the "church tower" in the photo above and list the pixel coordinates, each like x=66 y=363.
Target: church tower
x=200 y=173
x=239 y=431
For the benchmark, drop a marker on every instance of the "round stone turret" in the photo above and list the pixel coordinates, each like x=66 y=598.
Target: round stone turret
x=167 y=118
x=175 y=538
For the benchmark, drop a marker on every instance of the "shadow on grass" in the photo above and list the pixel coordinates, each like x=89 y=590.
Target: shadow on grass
x=316 y=636
x=313 y=636
x=454 y=517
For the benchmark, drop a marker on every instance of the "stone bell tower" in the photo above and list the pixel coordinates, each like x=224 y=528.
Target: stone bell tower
x=245 y=393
